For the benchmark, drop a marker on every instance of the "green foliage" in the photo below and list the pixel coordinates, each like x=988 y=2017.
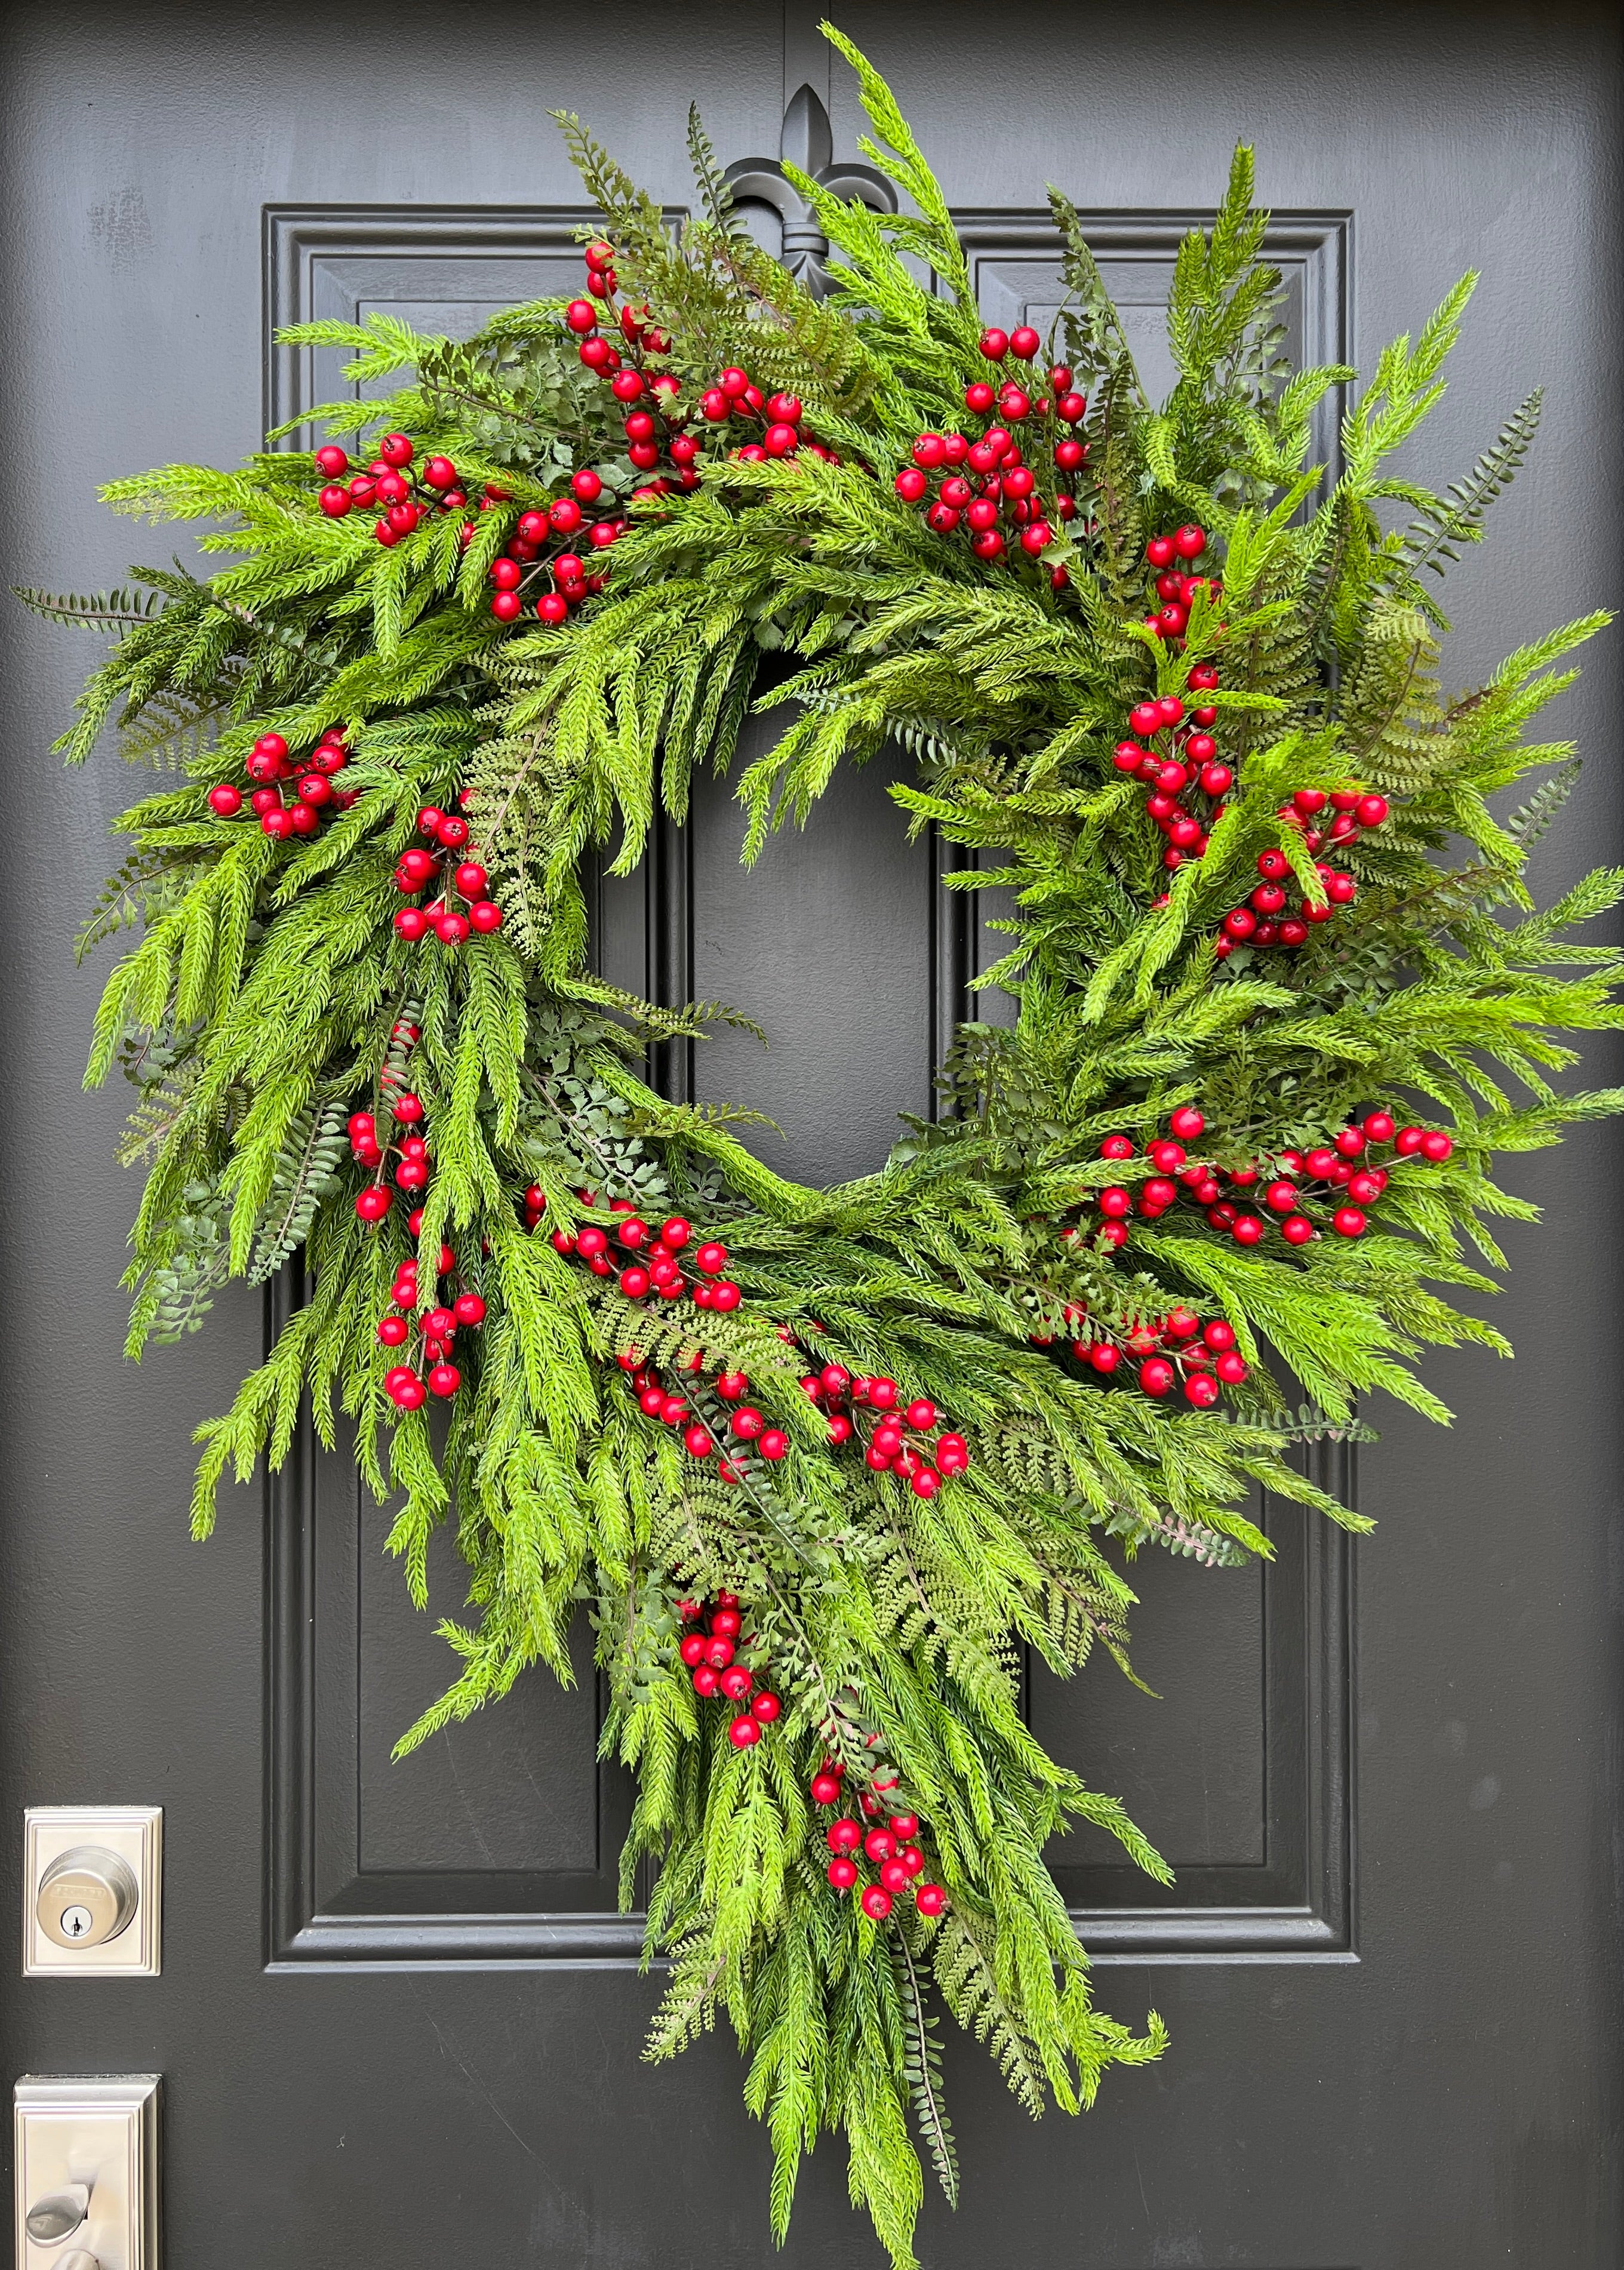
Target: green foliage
x=265 y=996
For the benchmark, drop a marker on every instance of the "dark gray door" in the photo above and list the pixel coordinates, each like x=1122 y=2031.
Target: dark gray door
x=398 y=2018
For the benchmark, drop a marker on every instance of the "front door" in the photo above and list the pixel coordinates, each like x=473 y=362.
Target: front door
x=399 y=2017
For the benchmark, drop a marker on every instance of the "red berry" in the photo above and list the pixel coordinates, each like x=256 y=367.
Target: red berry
x=843 y=1872
x=774 y=1444
x=1436 y=1146
x=930 y=1899
x=843 y=1835
x=953 y=1454
x=993 y=343
x=1156 y=1376
x=826 y=1790
x=1246 y=1229
x=1348 y=1221
x=911 y=484
x=444 y=1379
x=396 y=449
x=766 y=1708
x=635 y=1284
x=393 y=1330
x=743 y=1733
x=374 y=1202
x=225 y=799
x=1296 y=1229
x=1187 y=1122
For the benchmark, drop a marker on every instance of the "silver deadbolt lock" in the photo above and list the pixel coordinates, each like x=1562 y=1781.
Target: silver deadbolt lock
x=87 y=1895
x=92 y=1891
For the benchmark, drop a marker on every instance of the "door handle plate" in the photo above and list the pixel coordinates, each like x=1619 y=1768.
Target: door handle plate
x=106 y=1861
x=97 y=2133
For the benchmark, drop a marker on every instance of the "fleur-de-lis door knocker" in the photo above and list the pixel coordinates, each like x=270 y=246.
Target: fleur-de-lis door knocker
x=807 y=142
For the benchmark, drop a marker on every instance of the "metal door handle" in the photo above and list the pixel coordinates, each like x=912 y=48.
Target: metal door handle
x=77 y=2260
x=59 y=2216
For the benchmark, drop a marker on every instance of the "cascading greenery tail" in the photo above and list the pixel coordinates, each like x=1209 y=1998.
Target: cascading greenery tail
x=269 y=994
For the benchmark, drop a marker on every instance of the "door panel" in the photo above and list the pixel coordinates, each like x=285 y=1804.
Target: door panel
x=399 y=2017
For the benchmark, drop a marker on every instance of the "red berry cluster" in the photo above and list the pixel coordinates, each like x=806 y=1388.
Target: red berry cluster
x=652 y=1257
x=402 y=1142
x=1337 y=1165
x=416 y=868
x=431 y=1371
x=1175 y=586
x=897 y=1860
x=700 y=1438
x=269 y=763
x=405 y=496
x=709 y=1655
x=871 y=1411
x=521 y=565
x=986 y=485
x=1169 y=1351
x=859 y=1410
x=734 y=398
x=1184 y=760
x=1267 y=919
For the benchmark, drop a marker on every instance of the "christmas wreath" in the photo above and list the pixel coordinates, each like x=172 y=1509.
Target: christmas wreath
x=822 y=1467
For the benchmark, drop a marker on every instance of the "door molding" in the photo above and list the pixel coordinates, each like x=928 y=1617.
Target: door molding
x=1298 y=1903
